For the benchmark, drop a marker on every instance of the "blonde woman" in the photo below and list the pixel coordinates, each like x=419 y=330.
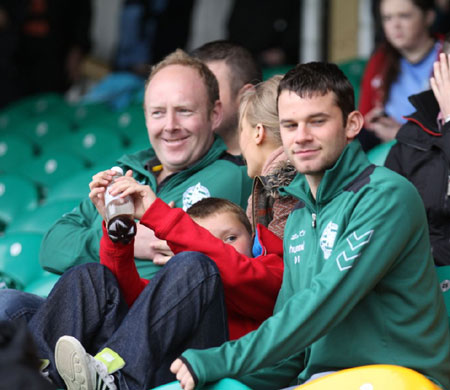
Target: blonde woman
x=267 y=164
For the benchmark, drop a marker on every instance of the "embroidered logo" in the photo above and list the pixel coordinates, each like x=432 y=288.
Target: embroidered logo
x=327 y=239
x=194 y=194
x=355 y=242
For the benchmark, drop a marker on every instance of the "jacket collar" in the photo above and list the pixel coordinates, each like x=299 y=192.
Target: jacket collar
x=350 y=164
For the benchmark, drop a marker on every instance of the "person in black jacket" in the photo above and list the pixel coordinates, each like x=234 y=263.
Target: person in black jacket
x=422 y=154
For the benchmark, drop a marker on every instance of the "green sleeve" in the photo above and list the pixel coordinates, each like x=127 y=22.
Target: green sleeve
x=74 y=239
x=346 y=278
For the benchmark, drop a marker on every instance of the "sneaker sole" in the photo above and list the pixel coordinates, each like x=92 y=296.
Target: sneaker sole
x=71 y=363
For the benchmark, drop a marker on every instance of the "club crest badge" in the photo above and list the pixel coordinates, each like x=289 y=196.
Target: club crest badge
x=194 y=194
x=327 y=239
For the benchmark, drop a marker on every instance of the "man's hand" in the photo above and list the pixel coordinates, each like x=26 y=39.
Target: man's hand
x=385 y=127
x=440 y=83
x=183 y=374
x=163 y=253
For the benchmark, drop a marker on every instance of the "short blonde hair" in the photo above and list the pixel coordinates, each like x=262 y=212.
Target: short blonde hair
x=259 y=105
x=180 y=57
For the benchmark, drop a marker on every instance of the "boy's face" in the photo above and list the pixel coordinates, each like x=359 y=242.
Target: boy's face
x=227 y=227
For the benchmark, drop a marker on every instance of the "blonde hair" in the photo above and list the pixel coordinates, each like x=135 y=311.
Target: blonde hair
x=180 y=57
x=259 y=105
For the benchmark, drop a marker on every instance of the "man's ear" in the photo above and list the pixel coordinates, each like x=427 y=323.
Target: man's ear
x=244 y=88
x=216 y=114
x=355 y=122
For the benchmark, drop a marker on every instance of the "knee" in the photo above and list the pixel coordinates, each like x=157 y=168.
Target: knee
x=15 y=304
x=88 y=272
x=193 y=262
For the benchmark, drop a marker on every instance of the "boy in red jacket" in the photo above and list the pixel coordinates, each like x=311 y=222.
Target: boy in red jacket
x=141 y=326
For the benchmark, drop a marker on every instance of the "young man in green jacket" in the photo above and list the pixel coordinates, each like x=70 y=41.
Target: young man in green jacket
x=359 y=284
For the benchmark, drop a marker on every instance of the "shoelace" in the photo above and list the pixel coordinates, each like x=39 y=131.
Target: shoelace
x=104 y=379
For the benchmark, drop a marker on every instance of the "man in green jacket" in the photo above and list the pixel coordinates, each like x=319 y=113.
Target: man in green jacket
x=359 y=284
x=186 y=163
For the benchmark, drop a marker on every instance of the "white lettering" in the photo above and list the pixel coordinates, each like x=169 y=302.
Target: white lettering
x=297 y=248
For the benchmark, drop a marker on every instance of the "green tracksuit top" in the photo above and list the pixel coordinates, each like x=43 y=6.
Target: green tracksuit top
x=359 y=286
x=75 y=238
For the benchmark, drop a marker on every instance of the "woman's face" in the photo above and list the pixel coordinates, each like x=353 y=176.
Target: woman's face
x=249 y=149
x=405 y=25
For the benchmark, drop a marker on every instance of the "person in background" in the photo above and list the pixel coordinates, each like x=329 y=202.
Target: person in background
x=43 y=44
x=422 y=154
x=401 y=66
x=267 y=164
x=359 y=283
x=236 y=71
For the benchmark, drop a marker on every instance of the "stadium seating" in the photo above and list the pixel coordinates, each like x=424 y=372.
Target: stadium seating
x=17 y=195
x=444 y=282
x=42 y=218
x=14 y=149
x=377 y=155
x=42 y=285
x=19 y=259
x=224 y=384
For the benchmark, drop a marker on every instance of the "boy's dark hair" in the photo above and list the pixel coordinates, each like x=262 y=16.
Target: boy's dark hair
x=210 y=206
x=244 y=68
x=320 y=78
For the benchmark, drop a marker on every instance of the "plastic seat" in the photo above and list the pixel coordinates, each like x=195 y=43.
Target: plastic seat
x=223 y=384
x=43 y=129
x=93 y=144
x=17 y=195
x=13 y=150
x=373 y=377
x=444 y=282
x=19 y=259
x=85 y=114
x=39 y=104
x=43 y=284
x=377 y=155
x=49 y=168
x=354 y=70
x=43 y=217
x=75 y=186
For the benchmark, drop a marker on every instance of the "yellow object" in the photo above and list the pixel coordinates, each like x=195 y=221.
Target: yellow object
x=373 y=377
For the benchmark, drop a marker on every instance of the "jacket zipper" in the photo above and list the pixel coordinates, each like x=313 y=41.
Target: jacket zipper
x=314 y=218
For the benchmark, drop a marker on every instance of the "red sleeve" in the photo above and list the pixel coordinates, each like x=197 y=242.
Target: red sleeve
x=370 y=94
x=119 y=258
x=251 y=284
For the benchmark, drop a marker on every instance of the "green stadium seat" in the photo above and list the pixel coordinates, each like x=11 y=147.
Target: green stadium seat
x=17 y=195
x=43 y=284
x=377 y=155
x=75 y=186
x=49 y=168
x=39 y=104
x=13 y=150
x=43 y=217
x=85 y=114
x=223 y=384
x=444 y=282
x=19 y=259
x=93 y=144
x=43 y=129
x=272 y=71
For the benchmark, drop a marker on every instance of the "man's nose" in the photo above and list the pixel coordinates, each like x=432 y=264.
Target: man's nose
x=171 y=120
x=303 y=134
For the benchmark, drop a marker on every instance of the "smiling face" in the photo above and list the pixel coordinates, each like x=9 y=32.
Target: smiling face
x=313 y=132
x=179 y=126
x=227 y=227
x=405 y=25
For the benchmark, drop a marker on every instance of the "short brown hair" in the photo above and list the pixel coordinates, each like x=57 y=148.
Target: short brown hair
x=180 y=57
x=210 y=206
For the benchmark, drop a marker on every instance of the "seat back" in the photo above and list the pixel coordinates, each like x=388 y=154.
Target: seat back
x=43 y=217
x=444 y=282
x=19 y=259
x=377 y=155
x=14 y=149
x=379 y=376
x=17 y=195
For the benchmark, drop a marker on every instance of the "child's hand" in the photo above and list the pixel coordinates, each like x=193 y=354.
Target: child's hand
x=143 y=196
x=98 y=187
x=183 y=374
x=440 y=83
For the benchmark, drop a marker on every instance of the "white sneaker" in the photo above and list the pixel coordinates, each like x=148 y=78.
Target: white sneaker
x=78 y=369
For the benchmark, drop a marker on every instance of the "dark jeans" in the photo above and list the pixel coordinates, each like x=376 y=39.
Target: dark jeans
x=182 y=307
